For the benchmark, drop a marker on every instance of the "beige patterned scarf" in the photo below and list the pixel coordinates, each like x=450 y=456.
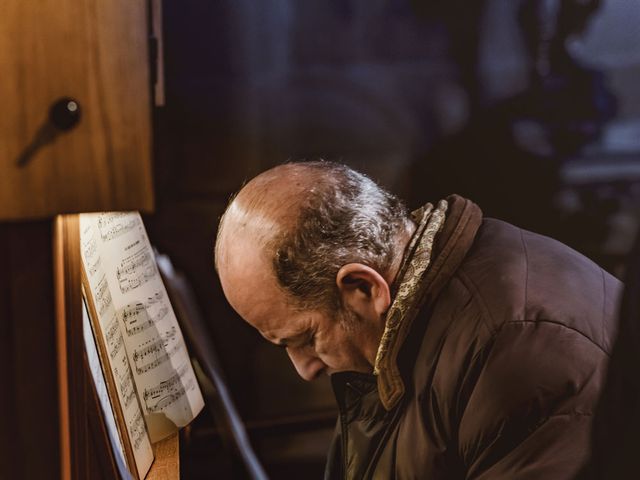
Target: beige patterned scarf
x=408 y=283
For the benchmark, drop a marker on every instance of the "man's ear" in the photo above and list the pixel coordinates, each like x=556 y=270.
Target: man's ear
x=363 y=290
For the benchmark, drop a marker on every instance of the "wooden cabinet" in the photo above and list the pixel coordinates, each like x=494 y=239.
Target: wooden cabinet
x=95 y=52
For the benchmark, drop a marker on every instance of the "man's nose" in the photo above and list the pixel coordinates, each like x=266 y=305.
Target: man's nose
x=307 y=364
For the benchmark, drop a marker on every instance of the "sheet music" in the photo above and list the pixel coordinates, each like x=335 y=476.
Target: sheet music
x=166 y=384
x=103 y=395
x=114 y=341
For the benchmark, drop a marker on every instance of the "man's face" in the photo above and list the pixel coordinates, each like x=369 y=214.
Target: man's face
x=317 y=341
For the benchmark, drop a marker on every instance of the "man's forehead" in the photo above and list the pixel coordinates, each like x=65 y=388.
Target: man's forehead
x=244 y=269
x=250 y=285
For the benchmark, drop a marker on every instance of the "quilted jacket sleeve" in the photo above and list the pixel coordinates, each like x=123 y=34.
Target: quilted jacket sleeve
x=529 y=414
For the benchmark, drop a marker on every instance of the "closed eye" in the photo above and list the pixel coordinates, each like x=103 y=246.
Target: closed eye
x=311 y=341
x=301 y=340
x=307 y=341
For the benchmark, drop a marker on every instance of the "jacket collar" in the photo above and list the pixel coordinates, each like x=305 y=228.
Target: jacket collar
x=434 y=254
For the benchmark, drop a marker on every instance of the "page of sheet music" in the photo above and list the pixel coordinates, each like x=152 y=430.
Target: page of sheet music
x=103 y=395
x=114 y=341
x=166 y=384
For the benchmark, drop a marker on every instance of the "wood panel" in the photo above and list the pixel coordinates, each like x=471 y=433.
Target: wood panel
x=29 y=436
x=75 y=454
x=97 y=53
x=85 y=447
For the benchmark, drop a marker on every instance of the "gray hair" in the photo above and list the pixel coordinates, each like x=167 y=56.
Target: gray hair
x=344 y=218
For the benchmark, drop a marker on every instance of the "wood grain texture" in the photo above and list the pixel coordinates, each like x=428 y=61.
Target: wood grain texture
x=97 y=53
x=75 y=452
x=85 y=450
x=59 y=285
x=166 y=466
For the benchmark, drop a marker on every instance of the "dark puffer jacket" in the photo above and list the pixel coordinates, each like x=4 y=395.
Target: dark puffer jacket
x=500 y=370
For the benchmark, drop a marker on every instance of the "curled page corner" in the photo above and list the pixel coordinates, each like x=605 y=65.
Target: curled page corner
x=159 y=426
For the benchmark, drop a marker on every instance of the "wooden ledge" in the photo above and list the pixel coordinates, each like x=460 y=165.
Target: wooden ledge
x=166 y=465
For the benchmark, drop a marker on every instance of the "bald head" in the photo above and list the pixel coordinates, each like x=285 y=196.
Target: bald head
x=267 y=206
x=301 y=222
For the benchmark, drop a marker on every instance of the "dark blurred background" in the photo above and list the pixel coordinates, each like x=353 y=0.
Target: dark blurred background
x=529 y=107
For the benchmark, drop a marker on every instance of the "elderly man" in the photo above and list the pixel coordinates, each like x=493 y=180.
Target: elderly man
x=459 y=347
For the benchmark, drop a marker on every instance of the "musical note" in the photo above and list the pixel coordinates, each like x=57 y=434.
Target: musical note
x=157 y=362
x=160 y=343
x=112 y=330
x=125 y=381
x=94 y=267
x=156 y=298
x=114 y=225
x=136 y=318
x=159 y=350
x=137 y=430
x=133 y=263
x=135 y=270
x=90 y=247
x=168 y=385
x=106 y=219
x=168 y=399
x=103 y=296
x=169 y=391
x=114 y=337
